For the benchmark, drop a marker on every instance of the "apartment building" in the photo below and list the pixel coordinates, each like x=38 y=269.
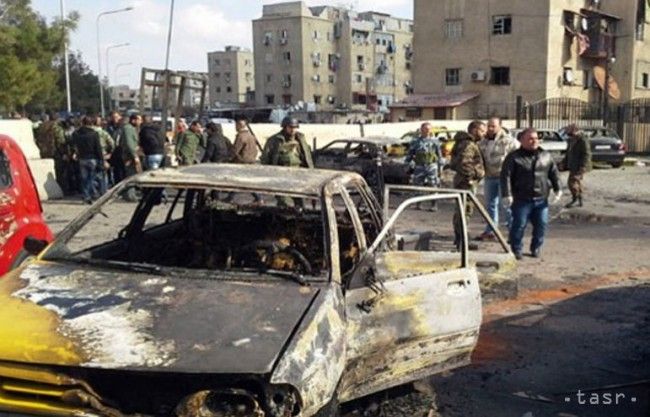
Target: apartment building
x=123 y=97
x=330 y=57
x=231 y=76
x=474 y=57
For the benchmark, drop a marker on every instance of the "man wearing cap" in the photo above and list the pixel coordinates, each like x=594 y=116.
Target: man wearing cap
x=288 y=147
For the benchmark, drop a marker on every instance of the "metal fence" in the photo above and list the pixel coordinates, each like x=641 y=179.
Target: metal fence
x=631 y=119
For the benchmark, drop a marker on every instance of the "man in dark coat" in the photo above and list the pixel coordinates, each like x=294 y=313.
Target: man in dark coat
x=218 y=148
x=88 y=151
x=578 y=161
x=152 y=143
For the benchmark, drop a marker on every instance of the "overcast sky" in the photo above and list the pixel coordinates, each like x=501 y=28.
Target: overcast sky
x=199 y=26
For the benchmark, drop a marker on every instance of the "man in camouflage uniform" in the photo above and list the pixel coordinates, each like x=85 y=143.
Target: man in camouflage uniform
x=578 y=161
x=467 y=161
x=108 y=145
x=288 y=148
x=51 y=142
x=424 y=157
x=188 y=143
x=132 y=163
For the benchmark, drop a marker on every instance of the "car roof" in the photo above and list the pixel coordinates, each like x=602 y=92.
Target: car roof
x=375 y=140
x=261 y=178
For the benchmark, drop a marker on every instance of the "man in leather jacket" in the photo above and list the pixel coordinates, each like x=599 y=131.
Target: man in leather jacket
x=526 y=178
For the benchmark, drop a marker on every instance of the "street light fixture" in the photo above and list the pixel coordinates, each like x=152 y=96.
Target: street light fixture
x=118 y=66
x=65 y=60
x=99 y=56
x=108 y=68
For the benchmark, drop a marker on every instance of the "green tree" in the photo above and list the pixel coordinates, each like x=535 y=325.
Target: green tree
x=84 y=84
x=29 y=47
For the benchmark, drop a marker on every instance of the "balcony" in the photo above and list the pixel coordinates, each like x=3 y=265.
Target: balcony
x=601 y=45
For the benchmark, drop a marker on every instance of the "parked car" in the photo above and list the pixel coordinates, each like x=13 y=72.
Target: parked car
x=550 y=140
x=365 y=156
x=21 y=214
x=182 y=304
x=606 y=145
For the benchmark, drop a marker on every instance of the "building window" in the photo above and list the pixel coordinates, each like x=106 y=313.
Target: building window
x=286 y=99
x=501 y=25
x=217 y=75
x=331 y=79
x=567 y=76
x=316 y=35
x=452 y=76
x=414 y=113
x=287 y=56
x=286 y=80
x=217 y=62
x=500 y=76
x=317 y=99
x=228 y=89
x=218 y=89
x=453 y=28
x=644 y=80
x=316 y=78
x=358 y=78
x=269 y=78
x=248 y=76
x=270 y=99
x=268 y=38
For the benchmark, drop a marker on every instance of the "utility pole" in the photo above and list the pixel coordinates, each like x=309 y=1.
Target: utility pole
x=165 y=95
x=65 y=58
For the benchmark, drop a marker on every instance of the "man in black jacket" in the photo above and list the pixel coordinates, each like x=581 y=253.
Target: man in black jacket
x=526 y=178
x=152 y=143
x=219 y=148
x=88 y=151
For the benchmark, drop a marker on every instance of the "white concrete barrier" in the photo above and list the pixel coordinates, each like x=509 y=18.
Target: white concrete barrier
x=42 y=169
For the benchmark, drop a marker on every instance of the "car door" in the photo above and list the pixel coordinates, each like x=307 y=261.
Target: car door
x=409 y=313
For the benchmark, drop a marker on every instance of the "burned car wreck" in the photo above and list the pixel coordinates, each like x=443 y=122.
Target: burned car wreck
x=186 y=303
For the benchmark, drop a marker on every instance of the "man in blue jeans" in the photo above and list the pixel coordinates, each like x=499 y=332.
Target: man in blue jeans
x=496 y=145
x=526 y=178
x=88 y=151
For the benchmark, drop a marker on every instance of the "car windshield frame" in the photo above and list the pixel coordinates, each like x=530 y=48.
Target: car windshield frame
x=58 y=249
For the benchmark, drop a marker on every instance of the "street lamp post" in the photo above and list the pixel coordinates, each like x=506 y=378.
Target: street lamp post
x=99 y=56
x=165 y=98
x=65 y=59
x=118 y=66
x=108 y=68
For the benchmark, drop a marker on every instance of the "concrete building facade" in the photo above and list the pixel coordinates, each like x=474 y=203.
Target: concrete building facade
x=124 y=97
x=330 y=57
x=231 y=75
x=496 y=50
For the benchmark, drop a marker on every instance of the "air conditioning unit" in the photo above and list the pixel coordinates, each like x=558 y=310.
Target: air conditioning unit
x=478 y=76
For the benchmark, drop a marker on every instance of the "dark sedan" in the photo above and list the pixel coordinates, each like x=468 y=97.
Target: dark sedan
x=606 y=146
x=365 y=156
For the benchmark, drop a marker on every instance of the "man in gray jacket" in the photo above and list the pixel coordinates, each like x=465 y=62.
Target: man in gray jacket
x=496 y=145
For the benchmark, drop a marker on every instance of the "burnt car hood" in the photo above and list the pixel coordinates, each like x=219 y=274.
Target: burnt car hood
x=70 y=315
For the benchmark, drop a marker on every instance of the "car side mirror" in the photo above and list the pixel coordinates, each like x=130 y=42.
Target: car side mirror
x=33 y=245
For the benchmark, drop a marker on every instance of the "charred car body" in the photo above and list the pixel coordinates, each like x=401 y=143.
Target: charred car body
x=196 y=307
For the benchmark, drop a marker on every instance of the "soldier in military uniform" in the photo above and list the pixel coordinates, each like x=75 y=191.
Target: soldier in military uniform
x=288 y=148
x=189 y=142
x=51 y=142
x=467 y=161
x=578 y=161
x=108 y=145
x=424 y=157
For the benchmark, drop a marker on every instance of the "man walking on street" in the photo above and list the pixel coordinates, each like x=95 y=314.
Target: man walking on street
x=496 y=145
x=132 y=164
x=188 y=143
x=218 y=148
x=116 y=169
x=88 y=151
x=467 y=161
x=526 y=178
x=108 y=145
x=578 y=161
x=152 y=143
x=424 y=157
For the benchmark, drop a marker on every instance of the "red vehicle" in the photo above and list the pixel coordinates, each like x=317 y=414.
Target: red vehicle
x=21 y=213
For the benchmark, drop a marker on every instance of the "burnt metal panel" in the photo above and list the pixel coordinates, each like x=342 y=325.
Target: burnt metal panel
x=123 y=320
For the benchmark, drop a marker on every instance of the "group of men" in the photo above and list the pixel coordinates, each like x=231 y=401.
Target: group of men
x=518 y=175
